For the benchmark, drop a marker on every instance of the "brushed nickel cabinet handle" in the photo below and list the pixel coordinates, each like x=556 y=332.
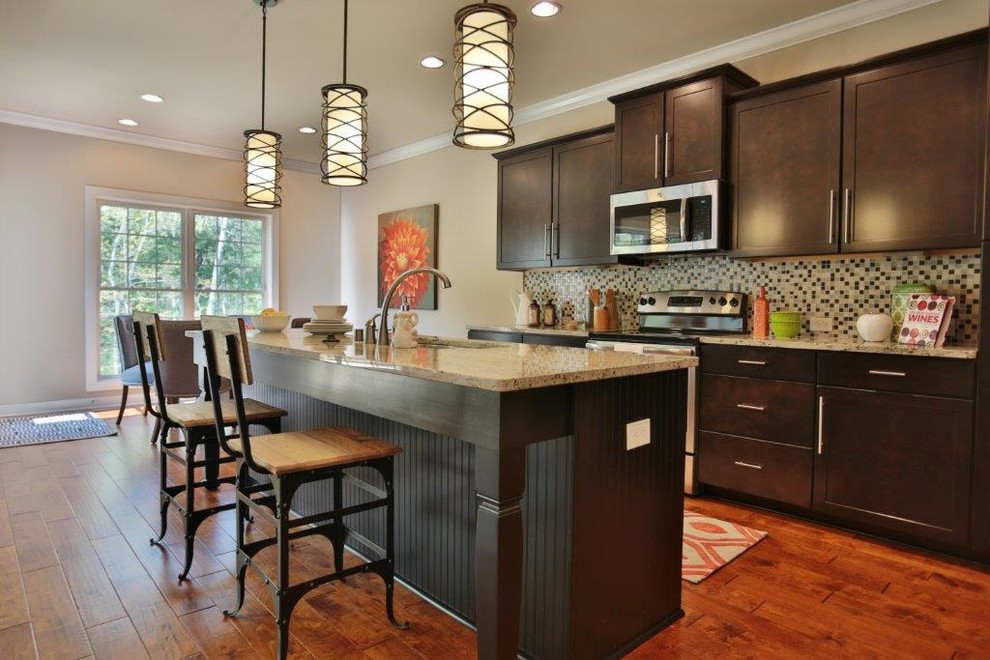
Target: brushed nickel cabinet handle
x=847 y=215
x=752 y=466
x=758 y=363
x=821 y=423
x=831 y=216
x=748 y=406
x=546 y=241
x=666 y=153
x=879 y=372
x=656 y=156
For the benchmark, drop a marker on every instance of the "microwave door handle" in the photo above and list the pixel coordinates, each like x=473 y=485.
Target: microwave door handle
x=684 y=220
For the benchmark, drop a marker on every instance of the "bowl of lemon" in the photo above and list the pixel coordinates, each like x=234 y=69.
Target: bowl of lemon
x=270 y=320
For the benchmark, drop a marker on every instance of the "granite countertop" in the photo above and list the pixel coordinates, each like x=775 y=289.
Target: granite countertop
x=849 y=344
x=495 y=366
x=533 y=331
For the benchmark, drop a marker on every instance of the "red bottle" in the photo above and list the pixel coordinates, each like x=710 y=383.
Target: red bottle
x=761 y=315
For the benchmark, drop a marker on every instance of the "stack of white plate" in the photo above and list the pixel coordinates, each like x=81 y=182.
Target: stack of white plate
x=324 y=327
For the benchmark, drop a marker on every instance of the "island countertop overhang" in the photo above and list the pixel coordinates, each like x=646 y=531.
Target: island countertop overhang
x=485 y=365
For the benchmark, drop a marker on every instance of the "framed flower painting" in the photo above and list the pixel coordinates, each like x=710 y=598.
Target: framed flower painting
x=408 y=239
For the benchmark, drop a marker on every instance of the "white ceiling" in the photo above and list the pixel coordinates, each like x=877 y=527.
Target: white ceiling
x=88 y=61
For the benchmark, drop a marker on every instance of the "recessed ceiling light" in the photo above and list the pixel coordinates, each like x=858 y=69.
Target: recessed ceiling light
x=432 y=62
x=152 y=98
x=545 y=9
x=307 y=129
x=127 y=122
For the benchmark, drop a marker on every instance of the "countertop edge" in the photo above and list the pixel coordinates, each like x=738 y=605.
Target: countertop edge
x=849 y=346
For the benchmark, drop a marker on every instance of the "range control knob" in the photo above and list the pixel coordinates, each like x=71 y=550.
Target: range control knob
x=642 y=301
x=734 y=302
x=722 y=301
x=711 y=301
x=653 y=301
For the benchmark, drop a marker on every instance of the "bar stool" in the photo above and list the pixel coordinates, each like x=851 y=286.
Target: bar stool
x=288 y=461
x=198 y=428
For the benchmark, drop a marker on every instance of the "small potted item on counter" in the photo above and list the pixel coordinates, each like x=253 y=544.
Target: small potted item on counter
x=549 y=315
x=534 y=314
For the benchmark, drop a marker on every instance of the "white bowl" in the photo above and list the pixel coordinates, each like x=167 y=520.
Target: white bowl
x=329 y=312
x=270 y=323
x=874 y=327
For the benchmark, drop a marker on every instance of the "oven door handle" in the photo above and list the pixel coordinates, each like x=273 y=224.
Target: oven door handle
x=598 y=346
x=667 y=350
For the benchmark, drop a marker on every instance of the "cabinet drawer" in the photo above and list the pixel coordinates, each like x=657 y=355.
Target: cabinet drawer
x=898 y=373
x=774 y=410
x=764 y=469
x=496 y=335
x=759 y=362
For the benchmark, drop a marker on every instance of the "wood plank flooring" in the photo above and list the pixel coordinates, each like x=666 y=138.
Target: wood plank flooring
x=79 y=579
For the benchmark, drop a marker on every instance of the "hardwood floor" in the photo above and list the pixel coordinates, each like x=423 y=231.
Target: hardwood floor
x=79 y=579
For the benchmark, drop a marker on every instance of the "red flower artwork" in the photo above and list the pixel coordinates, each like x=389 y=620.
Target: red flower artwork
x=403 y=244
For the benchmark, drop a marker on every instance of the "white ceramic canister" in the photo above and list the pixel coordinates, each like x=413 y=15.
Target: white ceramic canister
x=874 y=327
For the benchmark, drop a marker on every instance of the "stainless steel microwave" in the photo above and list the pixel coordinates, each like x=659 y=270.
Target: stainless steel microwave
x=671 y=219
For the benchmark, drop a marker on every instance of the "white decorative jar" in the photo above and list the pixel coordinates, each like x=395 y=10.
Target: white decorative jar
x=874 y=327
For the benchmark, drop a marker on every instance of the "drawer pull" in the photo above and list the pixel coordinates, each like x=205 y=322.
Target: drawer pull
x=751 y=466
x=879 y=372
x=758 y=363
x=747 y=406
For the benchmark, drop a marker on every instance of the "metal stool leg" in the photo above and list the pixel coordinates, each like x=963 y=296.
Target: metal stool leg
x=190 y=530
x=389 y=576
x=162 y=494
x=123 y=404
x=241 y=510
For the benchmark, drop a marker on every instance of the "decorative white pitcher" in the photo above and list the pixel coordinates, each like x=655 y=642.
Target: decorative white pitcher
x=405 y=330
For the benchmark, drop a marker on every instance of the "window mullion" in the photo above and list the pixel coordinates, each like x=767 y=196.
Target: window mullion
x=188 y=264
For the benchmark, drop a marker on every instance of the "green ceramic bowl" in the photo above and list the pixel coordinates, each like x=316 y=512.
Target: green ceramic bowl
x=785 y=329
x=786 y=317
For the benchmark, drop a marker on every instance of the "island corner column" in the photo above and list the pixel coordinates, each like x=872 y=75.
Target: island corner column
x=500 y=479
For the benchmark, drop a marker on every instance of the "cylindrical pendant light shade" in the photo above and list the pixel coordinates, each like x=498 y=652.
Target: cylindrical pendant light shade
x=345 y=135
x=483 y=58
x=263 y=169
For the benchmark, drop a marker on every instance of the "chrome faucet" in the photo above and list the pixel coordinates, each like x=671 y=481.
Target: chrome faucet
x=383 y=336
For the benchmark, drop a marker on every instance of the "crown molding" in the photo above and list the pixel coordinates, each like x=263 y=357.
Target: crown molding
x=790 y=34
x=813 y=27
x=139 y=139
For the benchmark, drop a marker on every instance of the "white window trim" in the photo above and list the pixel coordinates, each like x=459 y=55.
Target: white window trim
x=91 y=260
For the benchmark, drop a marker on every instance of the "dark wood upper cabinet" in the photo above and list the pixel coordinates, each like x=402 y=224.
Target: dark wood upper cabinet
x=553 y=202
x=673 y=133
x=913 y=150
x=785 y=169
x=882 y=155
x=525 y=202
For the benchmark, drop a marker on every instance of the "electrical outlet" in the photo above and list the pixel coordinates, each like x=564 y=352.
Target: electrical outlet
x=820 y=324
x=637 y=433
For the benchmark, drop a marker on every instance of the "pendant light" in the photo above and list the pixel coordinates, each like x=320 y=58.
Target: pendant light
x=483 y=58
x=263 y=149
x=345 y=130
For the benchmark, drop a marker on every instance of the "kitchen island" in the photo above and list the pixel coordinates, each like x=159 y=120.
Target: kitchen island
x=518 y=505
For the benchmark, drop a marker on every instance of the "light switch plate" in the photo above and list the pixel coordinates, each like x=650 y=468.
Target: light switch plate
x=820 y=324
x=637 y=433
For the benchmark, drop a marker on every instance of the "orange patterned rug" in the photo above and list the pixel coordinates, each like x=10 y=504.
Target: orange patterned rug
x=710 y=544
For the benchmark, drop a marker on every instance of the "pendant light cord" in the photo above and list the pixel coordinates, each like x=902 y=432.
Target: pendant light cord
x=264 y=48
x=345 y=42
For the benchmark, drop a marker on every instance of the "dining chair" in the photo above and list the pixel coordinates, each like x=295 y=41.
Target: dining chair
x=165 y=344
x=129 y=364
x=286 y=462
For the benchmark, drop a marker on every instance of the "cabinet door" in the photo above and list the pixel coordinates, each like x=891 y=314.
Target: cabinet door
x=785 y=171
x=637 y=143
x=582 y=183
x=524 y=210
x=896 y=462
x=692 y=140
x=913 y=153
x=981 y=459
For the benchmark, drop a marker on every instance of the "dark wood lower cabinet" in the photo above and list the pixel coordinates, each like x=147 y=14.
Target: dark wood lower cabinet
x=896 y=462
x=769 y=470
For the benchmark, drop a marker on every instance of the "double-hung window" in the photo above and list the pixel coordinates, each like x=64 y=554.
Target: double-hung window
x=179 y=257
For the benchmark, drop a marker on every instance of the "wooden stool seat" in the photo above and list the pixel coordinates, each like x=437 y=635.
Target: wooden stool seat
x=200 y=413
x=313 y=449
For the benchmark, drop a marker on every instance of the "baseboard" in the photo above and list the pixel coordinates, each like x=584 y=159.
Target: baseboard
x=92 y=403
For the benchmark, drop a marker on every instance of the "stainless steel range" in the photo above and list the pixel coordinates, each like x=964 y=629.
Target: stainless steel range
x=671 y=322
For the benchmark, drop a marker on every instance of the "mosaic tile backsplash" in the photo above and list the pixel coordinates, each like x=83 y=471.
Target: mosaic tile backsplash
x=841 y=289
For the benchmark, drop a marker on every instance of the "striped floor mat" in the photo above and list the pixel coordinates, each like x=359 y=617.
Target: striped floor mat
x=710 y=544
x=36 y=430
